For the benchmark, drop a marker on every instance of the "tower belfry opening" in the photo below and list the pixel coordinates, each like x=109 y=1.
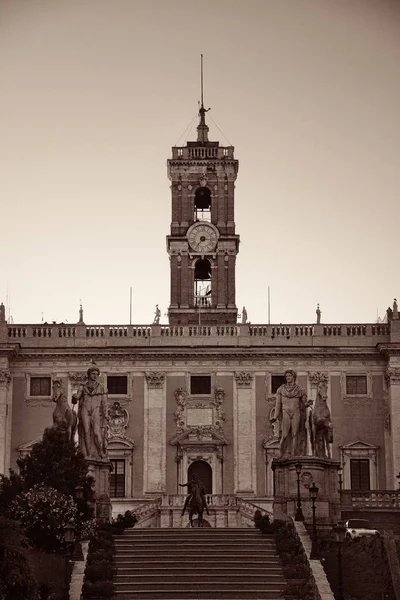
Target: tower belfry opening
x=202 y=243
x=202 y=204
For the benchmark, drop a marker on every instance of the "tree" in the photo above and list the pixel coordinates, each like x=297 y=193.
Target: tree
x=43 y=513
x=16 y=574
x=57 y=464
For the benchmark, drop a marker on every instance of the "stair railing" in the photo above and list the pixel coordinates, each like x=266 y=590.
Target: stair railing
x=148 y=510
x=247 y=510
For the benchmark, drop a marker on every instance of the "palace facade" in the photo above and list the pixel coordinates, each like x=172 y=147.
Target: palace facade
x=198 y=394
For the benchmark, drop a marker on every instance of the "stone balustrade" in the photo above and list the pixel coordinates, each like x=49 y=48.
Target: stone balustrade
x=370 y=499
x=242 y=335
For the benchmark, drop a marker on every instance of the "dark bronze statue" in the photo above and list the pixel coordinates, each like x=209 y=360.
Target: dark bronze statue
x=196 y=500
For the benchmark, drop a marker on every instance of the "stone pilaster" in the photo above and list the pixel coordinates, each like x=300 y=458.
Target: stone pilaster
x=154 y=476
x=244 y=418
x=392 y=377
x=5 y=382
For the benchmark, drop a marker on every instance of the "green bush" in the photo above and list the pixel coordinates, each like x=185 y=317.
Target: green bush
x=99 y=571
x=98 y=589
x=102 y=570
x=262 y=522
x=122 y=522
x=295 y=565
x=43 y=513
x=100 y=556
x=17 y=578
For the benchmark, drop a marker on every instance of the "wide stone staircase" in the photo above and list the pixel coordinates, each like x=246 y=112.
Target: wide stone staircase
x=194 y=564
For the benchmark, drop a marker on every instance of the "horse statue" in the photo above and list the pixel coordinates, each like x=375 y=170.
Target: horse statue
x=64 y=417
x=195 y=502
x=196 y=505
x=320 y=423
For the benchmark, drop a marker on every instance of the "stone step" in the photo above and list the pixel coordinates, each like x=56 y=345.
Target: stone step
x=194 y=532
x=175 y=577
x=206 y=563
x=205 y=587
x=274 y=594
x=200 y=570
x=209 y=531
x=233 y=554
x=255 y=544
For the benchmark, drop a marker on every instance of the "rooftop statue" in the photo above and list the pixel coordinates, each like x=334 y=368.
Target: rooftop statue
x=157 y=315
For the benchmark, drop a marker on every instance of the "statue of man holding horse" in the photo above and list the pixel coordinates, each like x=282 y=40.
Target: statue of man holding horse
x=290 y=410
x=196 y=490
x=93 y=416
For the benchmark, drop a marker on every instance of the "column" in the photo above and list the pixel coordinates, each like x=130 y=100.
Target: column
x=244 y=414
x=155 y=440
x=221 y=301
x=5 y=381
x=392 y=377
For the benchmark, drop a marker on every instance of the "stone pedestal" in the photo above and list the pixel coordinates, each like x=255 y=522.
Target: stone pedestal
x=100 y=471
x=321 y=471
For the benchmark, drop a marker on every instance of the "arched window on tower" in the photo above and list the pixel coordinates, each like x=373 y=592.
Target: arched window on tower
x=202 y=204
x=202 y=283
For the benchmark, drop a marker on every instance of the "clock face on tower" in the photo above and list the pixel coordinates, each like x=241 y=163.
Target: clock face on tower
x=202 y=237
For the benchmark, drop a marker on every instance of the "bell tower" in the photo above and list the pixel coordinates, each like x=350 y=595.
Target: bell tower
x=202 y=244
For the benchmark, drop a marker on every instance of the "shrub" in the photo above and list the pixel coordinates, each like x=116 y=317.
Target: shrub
x=54 y=462
x=98 y=589
x=17 y=579
x=43 y=513
x=99 y=571
x=122 y=522
x=295 y=565
x=262 y=522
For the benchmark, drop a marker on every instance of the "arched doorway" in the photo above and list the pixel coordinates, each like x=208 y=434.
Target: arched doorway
x=203 y=471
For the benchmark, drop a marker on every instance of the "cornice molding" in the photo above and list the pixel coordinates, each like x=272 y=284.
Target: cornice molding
x=389 y=349
x=248 y=355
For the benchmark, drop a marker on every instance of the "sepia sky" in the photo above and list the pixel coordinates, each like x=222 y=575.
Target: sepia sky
x=95 y=93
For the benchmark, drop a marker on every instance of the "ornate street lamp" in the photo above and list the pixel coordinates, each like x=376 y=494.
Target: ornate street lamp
x=69 y=539
x=299 y=513
x=313 y=490
x=340 y=475
x=340 y=532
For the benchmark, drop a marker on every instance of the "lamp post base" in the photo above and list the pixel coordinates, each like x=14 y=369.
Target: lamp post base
x=299 y=515
x=315 y=553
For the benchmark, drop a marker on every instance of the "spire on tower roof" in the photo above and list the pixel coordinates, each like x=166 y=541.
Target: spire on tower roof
x=202 y=129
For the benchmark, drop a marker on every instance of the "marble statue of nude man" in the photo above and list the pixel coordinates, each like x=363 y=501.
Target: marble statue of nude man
x=290 y=410
x=93 y=416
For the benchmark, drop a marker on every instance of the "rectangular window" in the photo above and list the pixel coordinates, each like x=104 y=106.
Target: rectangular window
x=200 y=384
x=359 y=474
x=276 y=382
x=356 y=385
x=40 y=386
x=117 y=479
x=117 y=384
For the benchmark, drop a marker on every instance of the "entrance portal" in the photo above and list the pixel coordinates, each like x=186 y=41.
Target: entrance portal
x=203 y=471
